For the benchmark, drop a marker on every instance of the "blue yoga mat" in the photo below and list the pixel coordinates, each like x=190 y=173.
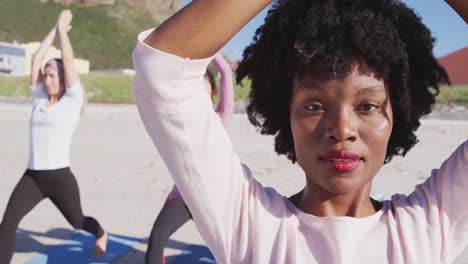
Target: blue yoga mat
x=191 y=254
x=78 y=250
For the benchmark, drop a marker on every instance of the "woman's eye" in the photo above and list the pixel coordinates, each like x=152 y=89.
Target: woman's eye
x=368 y=107
x=315 y=107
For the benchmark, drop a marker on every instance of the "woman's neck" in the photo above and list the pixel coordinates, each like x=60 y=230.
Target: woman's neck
x=53 y=99
x=316 y=201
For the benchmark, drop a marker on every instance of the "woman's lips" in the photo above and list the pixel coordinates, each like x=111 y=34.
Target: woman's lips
x=341 y=160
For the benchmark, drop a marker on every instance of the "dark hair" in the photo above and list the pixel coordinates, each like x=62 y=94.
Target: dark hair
x=59 y=60
x=383 y=35
x=210 y=76
x=57 y=64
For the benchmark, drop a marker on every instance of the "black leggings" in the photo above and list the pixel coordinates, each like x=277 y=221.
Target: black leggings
x=173 y=215
x=60 y=187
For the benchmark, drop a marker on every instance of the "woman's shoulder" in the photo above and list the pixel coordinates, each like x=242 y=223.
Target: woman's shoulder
x=269 y=197
x=37 y=91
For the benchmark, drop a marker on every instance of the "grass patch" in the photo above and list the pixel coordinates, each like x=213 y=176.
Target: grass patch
x=453 y=94
x=14 y=86
x=108 y=88
x=242 y=91
x=102 y=88
x=105 y=35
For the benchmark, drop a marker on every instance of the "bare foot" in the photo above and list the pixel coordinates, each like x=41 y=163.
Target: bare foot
x=101 y=246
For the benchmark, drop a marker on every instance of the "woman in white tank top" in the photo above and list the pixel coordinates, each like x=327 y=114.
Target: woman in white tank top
x=58 y=97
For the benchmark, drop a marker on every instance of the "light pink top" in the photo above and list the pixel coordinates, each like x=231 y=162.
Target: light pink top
x=243 y=222
x=225 y=106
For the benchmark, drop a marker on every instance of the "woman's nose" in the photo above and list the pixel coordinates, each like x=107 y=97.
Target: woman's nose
x=342 y=126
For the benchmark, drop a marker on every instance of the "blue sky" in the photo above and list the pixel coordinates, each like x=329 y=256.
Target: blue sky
x=450 y=31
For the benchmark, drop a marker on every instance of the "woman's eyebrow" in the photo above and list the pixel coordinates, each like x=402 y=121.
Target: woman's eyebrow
x=311 y=85
x=370 y=90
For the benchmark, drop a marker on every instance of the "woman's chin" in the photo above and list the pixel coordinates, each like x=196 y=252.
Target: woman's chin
x=344 y=187
x=53 y=94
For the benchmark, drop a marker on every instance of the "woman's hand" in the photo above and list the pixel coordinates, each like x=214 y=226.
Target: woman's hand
x=64 y=21
x=63 y=26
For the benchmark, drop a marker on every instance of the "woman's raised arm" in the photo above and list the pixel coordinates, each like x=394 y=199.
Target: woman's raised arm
x=461 y=7
x=38 y=57
x=204 y=26
x=63 y=26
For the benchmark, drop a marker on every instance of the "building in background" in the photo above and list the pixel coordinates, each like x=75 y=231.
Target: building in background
x=12 y=59
x=456 y=65
x=15 y=59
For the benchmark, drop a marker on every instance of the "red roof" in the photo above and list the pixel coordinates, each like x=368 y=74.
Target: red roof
x=456 y=65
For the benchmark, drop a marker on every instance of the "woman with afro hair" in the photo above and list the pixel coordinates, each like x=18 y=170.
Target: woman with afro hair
x=342 y=85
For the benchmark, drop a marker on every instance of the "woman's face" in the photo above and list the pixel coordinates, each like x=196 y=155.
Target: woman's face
x=52 y=83
x=341 y=128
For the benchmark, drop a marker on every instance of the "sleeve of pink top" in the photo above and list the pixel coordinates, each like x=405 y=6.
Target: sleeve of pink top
x=444 y=199
x=225 y=106
x=178 y=115
x=452 y=193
